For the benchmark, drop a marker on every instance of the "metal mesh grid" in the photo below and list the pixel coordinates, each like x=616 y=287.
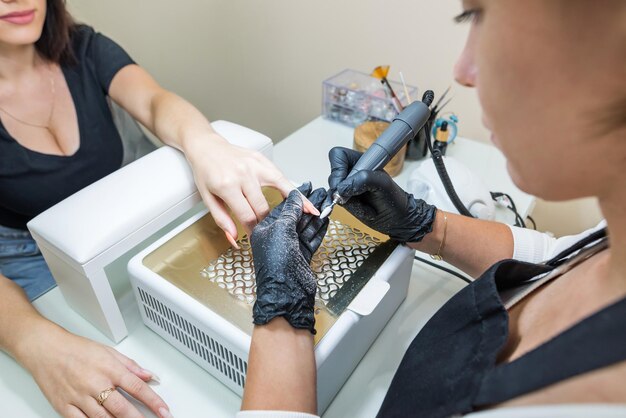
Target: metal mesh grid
x=343 y=250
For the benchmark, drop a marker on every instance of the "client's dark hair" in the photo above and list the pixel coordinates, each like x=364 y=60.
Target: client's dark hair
x=55 y=41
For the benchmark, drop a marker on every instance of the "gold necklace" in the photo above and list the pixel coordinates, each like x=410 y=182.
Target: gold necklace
x=34 y=125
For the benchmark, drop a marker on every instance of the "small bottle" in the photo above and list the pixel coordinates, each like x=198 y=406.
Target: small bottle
x=441 y=138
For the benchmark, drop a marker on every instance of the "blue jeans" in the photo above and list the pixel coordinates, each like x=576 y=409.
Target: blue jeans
x=22 y=262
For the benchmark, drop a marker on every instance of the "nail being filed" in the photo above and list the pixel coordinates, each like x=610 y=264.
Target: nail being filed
x=231 y=240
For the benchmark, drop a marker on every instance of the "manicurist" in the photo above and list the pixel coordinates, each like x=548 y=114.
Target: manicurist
x=540 y=331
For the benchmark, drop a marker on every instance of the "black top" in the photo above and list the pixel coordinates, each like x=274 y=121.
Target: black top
x=451 y=366
x=30 y=181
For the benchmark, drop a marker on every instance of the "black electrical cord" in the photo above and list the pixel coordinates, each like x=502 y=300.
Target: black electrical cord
x=447 y=270
x=519 y=221
x=443 y=173
x=530 y=218
x=438 y=157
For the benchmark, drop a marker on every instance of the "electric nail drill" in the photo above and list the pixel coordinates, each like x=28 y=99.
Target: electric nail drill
x=403 y=128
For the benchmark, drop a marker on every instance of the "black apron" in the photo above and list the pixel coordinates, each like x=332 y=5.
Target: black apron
x=450 y=367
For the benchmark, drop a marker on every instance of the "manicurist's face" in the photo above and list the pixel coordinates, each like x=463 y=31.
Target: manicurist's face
x=21 y=21
x=549 y=73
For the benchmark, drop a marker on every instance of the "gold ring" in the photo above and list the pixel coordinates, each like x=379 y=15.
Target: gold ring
x=104 y=395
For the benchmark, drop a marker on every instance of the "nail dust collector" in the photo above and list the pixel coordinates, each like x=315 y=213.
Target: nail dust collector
x=197 y=293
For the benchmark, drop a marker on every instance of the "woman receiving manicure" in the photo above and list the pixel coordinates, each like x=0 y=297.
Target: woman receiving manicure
x=57 y=136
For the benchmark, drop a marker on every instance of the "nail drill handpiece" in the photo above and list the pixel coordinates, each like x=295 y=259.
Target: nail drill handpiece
x=403 y=128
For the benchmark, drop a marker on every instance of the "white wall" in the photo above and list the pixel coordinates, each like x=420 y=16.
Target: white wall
x=261 y=63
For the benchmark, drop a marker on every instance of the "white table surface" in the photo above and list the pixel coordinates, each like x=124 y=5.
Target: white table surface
x=192 y=392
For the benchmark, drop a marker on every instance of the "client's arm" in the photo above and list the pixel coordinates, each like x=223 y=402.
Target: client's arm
x=70 y=370
x=226 y=175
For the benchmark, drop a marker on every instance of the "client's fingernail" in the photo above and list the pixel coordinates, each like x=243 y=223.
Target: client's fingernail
x=231 y=240
x=312 y=208
x=153 y=376
x=165 y=413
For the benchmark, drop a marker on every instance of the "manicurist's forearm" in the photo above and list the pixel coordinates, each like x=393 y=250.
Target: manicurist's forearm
x=471 y=245
x=281 y=369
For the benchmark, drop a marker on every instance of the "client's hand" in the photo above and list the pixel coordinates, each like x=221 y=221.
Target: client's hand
x=378 y=201
x=228 y=176
x=282 y=246
x=73 y=371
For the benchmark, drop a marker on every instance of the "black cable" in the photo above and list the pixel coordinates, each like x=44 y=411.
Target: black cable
x=437 y=157
x=447 y=270
x=443 y=174
x=530 y=218
x=518 y=218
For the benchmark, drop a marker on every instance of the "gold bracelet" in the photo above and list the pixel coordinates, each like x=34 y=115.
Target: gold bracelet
x=438 y=256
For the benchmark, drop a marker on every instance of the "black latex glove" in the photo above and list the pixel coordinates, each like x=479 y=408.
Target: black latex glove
x=377 y=201
x=282 y=247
